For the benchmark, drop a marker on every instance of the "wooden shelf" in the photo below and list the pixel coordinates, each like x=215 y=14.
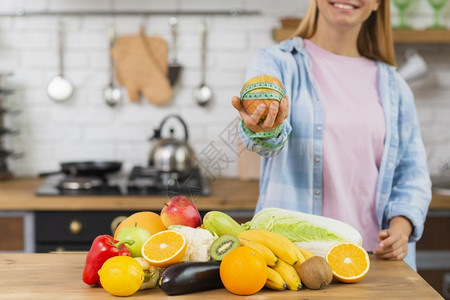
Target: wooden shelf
x=430 y=36
x=401 y=36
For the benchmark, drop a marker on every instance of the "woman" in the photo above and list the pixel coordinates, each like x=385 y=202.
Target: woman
x=350 y=145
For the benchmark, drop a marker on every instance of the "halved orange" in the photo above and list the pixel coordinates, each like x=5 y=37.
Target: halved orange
x=164 y=248
x=349 y=262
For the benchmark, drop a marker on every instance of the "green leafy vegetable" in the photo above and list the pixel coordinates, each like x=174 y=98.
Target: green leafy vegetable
x=315 y=233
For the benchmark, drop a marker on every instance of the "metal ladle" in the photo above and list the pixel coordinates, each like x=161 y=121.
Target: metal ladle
x=203 y=93
x=60 y=89
x=174 y=66
x=111 y=93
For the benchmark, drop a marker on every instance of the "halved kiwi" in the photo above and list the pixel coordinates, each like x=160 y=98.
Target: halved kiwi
x=223 y=245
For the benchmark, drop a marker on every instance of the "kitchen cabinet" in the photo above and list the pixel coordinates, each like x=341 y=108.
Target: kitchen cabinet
x=12 y=227
x=75 y=230
x=17 y=231
x=433 y=251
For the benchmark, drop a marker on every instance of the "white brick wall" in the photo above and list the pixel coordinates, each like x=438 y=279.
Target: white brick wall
x=85 y=128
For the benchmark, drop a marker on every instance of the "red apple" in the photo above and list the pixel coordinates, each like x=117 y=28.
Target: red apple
x=180 y=211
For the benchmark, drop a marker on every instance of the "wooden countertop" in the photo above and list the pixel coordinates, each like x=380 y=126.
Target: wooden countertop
x=440 y=202
x=58 y=276
x=226 y=194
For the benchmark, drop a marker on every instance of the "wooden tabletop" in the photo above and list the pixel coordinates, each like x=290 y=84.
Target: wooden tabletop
x=226 y=194
x=58 y=276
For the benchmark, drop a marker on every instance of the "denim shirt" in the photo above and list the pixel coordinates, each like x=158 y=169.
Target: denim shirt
x=291 y=167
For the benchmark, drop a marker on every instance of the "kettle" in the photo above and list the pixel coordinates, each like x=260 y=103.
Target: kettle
x=171 y=154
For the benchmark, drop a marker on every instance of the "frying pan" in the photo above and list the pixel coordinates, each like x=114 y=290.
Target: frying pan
x=87 y=168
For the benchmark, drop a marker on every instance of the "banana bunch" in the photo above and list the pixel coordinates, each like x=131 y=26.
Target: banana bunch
x=281 y=256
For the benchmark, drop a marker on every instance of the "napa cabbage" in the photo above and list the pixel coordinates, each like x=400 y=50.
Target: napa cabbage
x=315 y=233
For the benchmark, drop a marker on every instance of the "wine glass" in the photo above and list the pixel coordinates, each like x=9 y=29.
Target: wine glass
x=437 y=6
x=402 y=5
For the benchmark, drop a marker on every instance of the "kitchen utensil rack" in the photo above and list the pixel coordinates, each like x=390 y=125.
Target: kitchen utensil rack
x=231 y=12
x=4 y=131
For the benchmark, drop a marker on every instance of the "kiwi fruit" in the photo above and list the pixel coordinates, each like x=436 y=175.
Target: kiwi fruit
x=315 y=273
x=223 y=245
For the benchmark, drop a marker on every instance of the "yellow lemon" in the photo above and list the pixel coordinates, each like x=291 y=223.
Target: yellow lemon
x=121 y=275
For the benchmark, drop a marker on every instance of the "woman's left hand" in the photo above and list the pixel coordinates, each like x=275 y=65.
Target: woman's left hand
x=393 y=242
x=278 y=112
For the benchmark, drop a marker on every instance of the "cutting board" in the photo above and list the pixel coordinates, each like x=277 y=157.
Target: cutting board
x=157 y=47
x=142 y=67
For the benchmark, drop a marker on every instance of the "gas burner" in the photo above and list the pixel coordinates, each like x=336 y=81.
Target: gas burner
x=76 y=185
x=142 y=181
x=80 y=183
x=148 y=180
x=143 y=172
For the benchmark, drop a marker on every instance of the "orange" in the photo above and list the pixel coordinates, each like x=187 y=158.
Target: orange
x=143 y=219
x=252 y=102
x=243 y=271
x=349 y=262
x=164 y=248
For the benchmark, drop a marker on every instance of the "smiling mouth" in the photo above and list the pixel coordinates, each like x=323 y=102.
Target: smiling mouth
x=344 y=6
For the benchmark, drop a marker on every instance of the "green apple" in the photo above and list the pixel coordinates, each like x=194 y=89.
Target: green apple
x=138 y=235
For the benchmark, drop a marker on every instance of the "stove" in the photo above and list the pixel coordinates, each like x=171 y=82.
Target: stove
x=142 y=181
x=75 y=230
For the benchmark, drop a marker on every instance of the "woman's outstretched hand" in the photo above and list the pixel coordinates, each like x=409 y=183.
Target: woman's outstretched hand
x=275 y=117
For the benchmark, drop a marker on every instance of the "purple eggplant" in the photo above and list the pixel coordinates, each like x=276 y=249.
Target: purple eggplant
x=190 y=277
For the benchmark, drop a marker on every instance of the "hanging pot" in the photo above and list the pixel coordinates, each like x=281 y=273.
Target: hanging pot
x=171 y=154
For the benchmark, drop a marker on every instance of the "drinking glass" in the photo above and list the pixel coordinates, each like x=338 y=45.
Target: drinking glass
x=437 y=6
x=402 y=5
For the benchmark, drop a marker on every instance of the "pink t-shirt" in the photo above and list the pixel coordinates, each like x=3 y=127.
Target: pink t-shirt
x=353 y=138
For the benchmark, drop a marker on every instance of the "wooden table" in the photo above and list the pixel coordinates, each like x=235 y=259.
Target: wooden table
x=58 y=276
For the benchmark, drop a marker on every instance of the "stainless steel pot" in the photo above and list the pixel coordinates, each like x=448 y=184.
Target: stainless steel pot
x=171 y=154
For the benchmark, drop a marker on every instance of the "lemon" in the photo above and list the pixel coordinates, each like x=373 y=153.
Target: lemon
x=121 y=275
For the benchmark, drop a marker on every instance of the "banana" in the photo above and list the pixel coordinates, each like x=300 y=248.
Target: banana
x=300 y=256
x=274 y=280
x=275 y=285
x=289 y=275
x=278 y=244
x=306 y=253
x=269 y=257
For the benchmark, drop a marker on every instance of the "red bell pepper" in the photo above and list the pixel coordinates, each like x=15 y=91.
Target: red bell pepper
x=102 y=248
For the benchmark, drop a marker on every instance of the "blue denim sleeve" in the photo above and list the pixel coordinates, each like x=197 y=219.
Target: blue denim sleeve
x=266 y=147
x=411 y=188
x=266 y=61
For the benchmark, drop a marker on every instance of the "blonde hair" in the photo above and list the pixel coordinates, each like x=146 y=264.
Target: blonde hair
x=375 y=37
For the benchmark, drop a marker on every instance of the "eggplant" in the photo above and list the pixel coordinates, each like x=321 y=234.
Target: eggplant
x=190 y=277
